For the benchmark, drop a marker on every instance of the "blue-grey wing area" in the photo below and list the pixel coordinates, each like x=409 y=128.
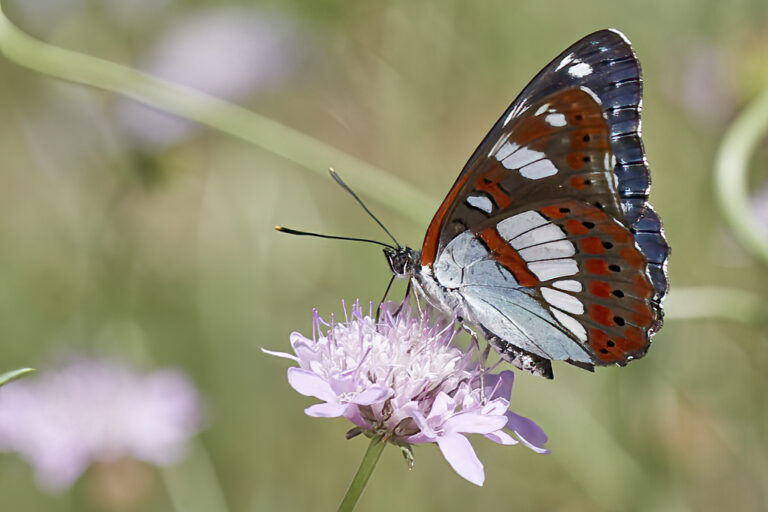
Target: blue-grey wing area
x=495 y=301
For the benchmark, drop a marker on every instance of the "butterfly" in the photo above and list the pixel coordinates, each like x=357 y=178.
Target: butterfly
x=546 y=243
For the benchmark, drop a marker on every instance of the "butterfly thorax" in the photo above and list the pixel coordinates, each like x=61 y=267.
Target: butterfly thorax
x=405 y=263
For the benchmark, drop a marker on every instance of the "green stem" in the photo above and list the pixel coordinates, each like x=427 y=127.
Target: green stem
x=364 y=472
x=269 y=135
x=731 y=168
x=714 y=302
x=7 y=377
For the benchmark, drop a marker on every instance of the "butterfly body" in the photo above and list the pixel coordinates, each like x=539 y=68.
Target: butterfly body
x=546 y=244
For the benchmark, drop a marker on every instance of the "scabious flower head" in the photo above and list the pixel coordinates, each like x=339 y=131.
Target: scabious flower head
x=64 y=419
x=402 y=377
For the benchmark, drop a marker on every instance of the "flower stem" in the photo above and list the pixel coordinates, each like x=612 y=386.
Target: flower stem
x=15 y=374
x=731 y=168
x=299 y=148
x=364 y=472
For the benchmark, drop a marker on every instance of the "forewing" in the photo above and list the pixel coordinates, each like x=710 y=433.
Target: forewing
x=573 y=132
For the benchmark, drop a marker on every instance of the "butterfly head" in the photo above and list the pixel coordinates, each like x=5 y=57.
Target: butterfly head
x=402 y=260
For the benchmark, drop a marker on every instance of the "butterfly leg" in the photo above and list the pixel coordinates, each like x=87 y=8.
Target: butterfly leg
x=483 y=359
x=406 y=299
x=386 y=292
x=416 y=296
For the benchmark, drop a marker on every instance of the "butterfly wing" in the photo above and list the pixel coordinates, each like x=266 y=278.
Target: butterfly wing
x=567 y=258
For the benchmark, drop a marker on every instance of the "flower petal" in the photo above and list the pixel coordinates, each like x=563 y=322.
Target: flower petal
x=442 y=405
x=280 y=354
x=459 y=453
x=371 y=395
x=527 y=431
x=353 y=415
x=327 y=410
x=499 y=386
x=474 y=423
x=501 y=437
x=497 y=407
x=310 y=384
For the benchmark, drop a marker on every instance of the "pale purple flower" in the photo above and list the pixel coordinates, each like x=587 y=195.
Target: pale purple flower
x=230 y=53
x=404 y=379
x=64 y=419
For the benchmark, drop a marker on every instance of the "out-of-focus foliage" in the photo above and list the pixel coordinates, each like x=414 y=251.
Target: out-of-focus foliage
x=164 y=254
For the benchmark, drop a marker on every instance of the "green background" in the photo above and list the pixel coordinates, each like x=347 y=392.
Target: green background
x=168 y=258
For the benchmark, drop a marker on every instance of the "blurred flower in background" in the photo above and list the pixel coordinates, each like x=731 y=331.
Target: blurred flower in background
x=87 y=411
x=700 y=79
x=230 y=53
x=403 y=378
x=759 y=203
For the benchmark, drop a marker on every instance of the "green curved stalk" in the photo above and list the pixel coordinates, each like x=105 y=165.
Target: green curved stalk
x=367 y=465
x=7 y=377
x=731 y=168
x=713 y=302
x=231 y=119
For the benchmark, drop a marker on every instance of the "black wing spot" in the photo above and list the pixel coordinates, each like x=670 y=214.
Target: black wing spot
x=587 y=159
x=614 y=268
x=578 y=117
x=603 y=350
x=610 y=343
x=585 y=138
x=599 y=204
x=618 y=321
x=608 y=245
x=587 y=224
x=618 y=293
x=565 y=210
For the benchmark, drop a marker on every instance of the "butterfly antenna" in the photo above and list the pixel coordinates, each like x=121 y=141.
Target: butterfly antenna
x=332 y=237
x=343 y=185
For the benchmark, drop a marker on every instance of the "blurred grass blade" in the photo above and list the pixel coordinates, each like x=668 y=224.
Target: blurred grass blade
x=7 y=377
x=715 y=302
x=297 y=147
x=731 y=170
x=193 y=484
